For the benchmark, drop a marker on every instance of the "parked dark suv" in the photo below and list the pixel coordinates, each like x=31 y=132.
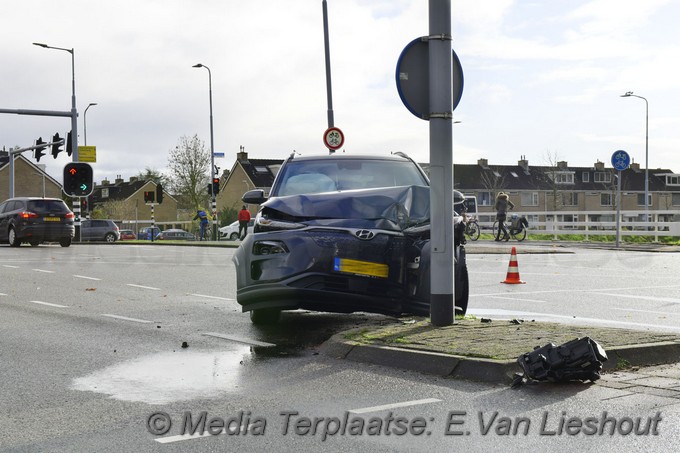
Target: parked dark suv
x=99 y=230
x=36 y=220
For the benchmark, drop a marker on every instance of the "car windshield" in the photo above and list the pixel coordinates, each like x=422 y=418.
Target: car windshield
x=47 y=206
x=308 y=177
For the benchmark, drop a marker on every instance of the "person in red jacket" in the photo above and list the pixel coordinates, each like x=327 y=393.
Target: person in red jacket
x=243 y=219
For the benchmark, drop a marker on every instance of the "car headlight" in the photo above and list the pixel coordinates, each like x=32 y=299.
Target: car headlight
x=269 y=248
x=265 y=223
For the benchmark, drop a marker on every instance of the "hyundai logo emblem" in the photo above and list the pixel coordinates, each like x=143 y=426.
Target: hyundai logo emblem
x=364 y=235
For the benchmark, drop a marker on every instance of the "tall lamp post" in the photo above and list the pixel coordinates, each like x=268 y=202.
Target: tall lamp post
x=85 y=120
x=212 y=154
x=630 y=94
x=74 y=111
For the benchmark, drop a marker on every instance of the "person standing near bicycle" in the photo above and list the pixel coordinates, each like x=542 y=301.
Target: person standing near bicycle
x=203 y=217
x=503 y=205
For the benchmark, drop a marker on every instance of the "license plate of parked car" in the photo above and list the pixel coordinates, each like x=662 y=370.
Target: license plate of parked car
x=52 y=219
x=358 y=267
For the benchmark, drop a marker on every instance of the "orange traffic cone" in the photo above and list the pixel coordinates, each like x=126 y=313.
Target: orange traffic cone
x=513 y=270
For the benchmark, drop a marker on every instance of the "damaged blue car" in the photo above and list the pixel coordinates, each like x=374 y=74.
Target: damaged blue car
x=343 y=233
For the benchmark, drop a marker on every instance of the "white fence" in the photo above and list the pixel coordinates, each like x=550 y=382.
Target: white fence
x=596 y=223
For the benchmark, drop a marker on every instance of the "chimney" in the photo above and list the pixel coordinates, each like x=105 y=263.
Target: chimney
x=133 y=178
x=524 y=163
x=635 y=166
x=118 y=180
x=562 y=165
x=242 y=155
x=105 y=182
x=599 y=166
x=484 y=163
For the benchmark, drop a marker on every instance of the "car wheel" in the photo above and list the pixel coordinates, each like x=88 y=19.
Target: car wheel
x=65 y=242
x=12 y=238
x=110 y=237
x=462 y=286
x=233 y=237
x=265 y=316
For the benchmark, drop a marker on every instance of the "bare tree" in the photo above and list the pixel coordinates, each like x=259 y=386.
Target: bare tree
x=114 y=209
x=189 y=170
x=150 y=174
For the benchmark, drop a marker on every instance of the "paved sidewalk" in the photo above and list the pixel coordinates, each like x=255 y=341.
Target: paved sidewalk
x=487 y=350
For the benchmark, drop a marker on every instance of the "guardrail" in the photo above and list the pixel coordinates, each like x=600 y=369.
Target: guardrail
x=662 y=223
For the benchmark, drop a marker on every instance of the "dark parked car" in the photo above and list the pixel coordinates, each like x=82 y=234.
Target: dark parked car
x=343 y=233
x=36 y=220
x=99 y=230
x=145 y=234
x=175 y=235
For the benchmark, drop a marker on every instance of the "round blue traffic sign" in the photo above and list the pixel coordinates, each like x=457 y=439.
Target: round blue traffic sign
x=620 y=160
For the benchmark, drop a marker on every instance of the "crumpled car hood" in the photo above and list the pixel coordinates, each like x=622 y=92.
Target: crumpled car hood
x=393 y=208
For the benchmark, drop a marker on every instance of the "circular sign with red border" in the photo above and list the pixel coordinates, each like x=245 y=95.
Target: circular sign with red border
x=333 y=138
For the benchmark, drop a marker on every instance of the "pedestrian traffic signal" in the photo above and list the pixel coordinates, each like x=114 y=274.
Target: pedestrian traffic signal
x=57 y=143
x=216 y=186
x=78 y=179
x=159 y=193
x=149 y=196
x=39 y=150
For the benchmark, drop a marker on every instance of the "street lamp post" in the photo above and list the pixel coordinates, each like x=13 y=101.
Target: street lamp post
x=74 y=111
x=630 y=94
x=212 y=153
x=85 y=120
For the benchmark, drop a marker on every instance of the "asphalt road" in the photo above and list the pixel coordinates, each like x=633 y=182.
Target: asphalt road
x=91 y=359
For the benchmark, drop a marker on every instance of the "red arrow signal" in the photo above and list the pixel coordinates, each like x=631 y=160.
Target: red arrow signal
x=73 y=171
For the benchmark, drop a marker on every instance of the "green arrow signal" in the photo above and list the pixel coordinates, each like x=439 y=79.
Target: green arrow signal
x=83 y=187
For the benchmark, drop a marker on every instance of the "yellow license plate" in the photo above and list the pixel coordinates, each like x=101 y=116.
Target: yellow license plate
x=52 y=219
x=358 y=267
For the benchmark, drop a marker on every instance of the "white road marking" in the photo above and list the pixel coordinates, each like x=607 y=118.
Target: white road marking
x=385 y=407
x=212 y=297
x=239 y=339
x=86 y=277
x=3 y=294
x=181 y=437
x=43 y=270
x=143 y=287
x=514 y=298
x=10 y=266
x=125 y=318
x=48 y=304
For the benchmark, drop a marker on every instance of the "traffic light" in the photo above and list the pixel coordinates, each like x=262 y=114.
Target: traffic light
x=57 y=143
x=159 y=193
x=149 y=196
x=69 y=145
x=216 y=186
x=78 y=179
x=83 y=205
x=39 y=150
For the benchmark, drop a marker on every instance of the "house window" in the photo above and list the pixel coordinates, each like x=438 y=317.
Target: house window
x=529 y=198
x=673 y=180
x=105 y=193
x=603 y=176
x=586 y=176
x=641 y=199
x=562 y=177
x=676 y=199
x=606 y=199
x=486 y=198
x=569 y=198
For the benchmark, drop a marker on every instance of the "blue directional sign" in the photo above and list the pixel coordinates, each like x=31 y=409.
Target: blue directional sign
x=620 y=160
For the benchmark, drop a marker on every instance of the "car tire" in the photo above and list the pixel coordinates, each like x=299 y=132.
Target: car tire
x=65 y=242
x=233 y=237
x=110 y=238
x=12 y=238
x=265 y=316
x=462 y=284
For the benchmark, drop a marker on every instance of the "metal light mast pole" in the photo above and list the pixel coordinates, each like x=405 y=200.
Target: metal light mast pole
x=85 y=120
x=630 y=94
x=213 y=206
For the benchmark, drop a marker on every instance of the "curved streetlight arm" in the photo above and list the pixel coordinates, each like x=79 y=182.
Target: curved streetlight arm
x=630 y=94
x=212 y=151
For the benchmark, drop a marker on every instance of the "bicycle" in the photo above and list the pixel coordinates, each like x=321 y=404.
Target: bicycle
x=517 y=227
x=472 y=229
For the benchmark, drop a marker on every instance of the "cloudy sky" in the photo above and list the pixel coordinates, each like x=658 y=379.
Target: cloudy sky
x=543 y=78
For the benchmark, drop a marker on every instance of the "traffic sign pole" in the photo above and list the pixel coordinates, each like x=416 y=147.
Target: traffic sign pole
x=620 y=161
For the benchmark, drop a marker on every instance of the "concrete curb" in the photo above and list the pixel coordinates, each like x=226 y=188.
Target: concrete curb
x=481 y=369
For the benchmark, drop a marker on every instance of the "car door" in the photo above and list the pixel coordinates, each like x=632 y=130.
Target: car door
x=3 y=221
x=86 y=230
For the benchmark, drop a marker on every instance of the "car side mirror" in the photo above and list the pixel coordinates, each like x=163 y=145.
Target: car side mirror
x=254 y=197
